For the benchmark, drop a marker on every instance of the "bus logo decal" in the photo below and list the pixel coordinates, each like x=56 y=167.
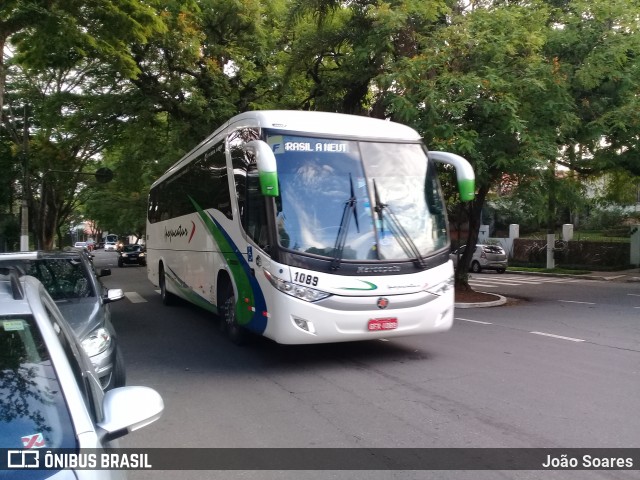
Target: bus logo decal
x=370 y=286
x=180 y=231
x=383 y=303
x=193 y=230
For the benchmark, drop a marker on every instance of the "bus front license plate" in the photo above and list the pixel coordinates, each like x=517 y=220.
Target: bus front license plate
x=378 y=324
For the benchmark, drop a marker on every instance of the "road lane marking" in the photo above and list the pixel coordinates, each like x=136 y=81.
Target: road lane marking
x=483 y=285
x=571 y=339
x=134 y=297
x=575 y=301
x=544 y=334
x=634 y=294
x=474 y=321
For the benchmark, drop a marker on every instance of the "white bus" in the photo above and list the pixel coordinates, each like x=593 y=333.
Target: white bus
x=307 y=227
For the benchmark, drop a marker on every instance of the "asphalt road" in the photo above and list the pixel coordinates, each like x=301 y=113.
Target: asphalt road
x=558 y=367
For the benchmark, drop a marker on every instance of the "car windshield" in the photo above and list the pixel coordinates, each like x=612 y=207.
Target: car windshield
x=386 y=196
x=131 y=248
x=64 y=278
x=33 y=412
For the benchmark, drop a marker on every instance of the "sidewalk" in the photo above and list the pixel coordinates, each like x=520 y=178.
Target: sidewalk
x=631 y=275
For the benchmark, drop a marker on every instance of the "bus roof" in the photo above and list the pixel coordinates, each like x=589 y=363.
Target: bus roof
x=310 y=122
x=327 y=123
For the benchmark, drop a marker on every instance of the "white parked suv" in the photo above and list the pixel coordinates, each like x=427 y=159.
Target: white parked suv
x=486 y=257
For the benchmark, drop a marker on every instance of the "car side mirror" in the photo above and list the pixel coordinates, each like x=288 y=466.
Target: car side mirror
x=113 y=295
x=127 y=409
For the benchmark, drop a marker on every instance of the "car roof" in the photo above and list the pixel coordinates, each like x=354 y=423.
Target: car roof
x=42 y=254
x=13 y=295
x=23 y=295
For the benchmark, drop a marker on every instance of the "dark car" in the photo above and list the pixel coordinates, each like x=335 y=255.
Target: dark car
x=50 y=396
x=72 y=282
x=132 y=255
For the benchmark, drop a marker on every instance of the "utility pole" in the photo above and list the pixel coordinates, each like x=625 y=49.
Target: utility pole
x=551 y=216
x=26 y=185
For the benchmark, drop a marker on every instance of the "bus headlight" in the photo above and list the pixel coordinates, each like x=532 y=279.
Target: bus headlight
x=441 y=288
x=299 y=291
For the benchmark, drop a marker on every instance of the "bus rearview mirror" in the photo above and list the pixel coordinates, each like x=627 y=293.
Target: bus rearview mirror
x=464 y=173
x=267 y=167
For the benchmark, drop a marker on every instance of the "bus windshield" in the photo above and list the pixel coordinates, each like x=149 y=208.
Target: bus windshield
x=385 y=195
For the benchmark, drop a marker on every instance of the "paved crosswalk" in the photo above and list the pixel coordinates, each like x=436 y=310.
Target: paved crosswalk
x=499 y=280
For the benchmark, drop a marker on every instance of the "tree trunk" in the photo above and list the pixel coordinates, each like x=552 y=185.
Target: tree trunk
x=48 y=217
x=3 y=76
x=475 y=209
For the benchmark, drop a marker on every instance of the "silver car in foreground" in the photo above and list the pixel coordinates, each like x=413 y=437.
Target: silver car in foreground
x=50 y=396
x=485 y=257
x=72 y=282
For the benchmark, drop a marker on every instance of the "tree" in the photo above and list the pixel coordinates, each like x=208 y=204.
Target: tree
x=146 y=148
x=66 y=57
x=481 y=87
x=344 y=55
x=595 y=46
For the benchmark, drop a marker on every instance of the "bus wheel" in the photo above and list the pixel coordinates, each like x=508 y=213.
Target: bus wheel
x=167 y=297
x=236 y=333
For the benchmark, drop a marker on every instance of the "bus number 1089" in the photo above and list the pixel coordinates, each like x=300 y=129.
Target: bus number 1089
x=305 y=279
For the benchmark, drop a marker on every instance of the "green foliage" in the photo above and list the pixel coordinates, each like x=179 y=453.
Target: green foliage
x=512 y=86
x=59 y=34
x=596 y=48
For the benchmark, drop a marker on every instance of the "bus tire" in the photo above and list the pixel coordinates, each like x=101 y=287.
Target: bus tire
x=236 y=333
x=168 y=298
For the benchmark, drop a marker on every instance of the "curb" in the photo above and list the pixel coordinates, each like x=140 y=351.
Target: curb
x=496 y=303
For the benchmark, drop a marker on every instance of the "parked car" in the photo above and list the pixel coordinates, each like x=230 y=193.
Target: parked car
x=50 y=396
x=72 y=282
x=485 y=257
x=132 y=255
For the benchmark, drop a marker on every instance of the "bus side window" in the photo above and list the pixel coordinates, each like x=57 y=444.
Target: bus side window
x=251 y=203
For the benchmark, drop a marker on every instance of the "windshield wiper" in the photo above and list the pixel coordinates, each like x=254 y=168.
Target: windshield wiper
x=400 y=234
x=350 y=206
